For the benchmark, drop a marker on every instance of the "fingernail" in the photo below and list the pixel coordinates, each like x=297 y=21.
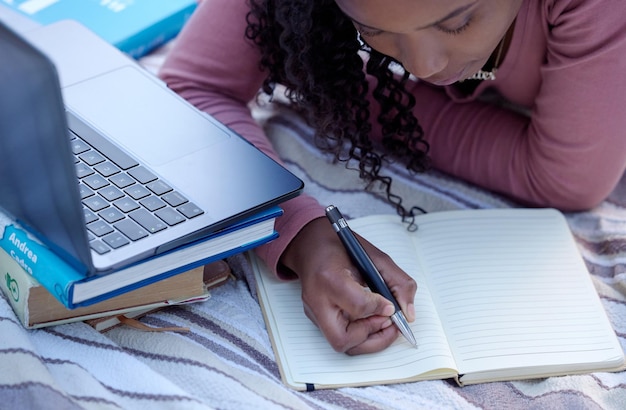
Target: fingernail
x=389 y=310
x=410 y=312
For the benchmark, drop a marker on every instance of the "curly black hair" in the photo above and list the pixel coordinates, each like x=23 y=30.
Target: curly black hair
x=313 y=49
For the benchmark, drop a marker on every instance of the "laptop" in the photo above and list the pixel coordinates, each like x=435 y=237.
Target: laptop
x=109 y=165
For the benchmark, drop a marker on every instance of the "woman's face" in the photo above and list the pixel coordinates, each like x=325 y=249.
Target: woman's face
x=439 y=41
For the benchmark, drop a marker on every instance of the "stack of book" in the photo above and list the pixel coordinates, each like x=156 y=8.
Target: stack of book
x=136 y=27
x=35 y=307
x=41 y=294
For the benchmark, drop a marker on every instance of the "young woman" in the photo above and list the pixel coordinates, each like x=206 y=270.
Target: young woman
x=522 y=97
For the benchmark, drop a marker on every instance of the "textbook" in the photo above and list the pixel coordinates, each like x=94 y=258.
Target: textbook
x=74 y=289
x=35 y=307
x=212 y=279
x=503 y=294
x=136 y=27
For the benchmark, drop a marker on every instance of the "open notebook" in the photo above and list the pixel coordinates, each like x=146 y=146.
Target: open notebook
x=502 y=295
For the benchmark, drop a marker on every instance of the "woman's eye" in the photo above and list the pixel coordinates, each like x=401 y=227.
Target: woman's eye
x=371 y=32
x=456 y=30
x=368 y=32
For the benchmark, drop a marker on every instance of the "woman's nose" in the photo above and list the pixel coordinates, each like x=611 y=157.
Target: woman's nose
x=422 y=55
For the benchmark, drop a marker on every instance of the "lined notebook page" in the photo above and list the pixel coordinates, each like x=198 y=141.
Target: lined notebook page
x=306 y=356
x=513 y=291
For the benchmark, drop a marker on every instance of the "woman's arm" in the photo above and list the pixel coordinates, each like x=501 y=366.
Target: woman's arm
x=213 y=66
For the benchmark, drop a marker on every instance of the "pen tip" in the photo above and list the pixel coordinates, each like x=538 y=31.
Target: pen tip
x=400 y=321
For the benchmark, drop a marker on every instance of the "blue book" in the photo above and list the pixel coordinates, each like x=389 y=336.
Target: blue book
x=136 y=27
x=74 y=289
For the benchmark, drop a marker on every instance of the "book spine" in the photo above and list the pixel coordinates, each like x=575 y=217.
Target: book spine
x=134 y=27
x=172 y=272
x=16 y=285
x=52 y=272
x=156 y=35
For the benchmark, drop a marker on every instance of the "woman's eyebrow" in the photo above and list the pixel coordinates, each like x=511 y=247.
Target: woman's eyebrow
x=449 y=16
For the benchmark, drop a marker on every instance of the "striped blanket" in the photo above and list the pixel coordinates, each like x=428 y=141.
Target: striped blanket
x=226 y=360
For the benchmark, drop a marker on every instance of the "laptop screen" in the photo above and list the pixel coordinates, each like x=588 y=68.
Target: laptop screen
x=37 y=177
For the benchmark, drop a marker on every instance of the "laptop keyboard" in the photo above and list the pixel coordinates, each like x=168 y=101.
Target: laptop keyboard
x=122 y=200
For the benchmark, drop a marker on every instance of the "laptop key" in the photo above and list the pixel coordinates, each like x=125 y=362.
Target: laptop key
x=99 y=247
x=85 y=191
x=122 y=180
x=144 y=218
x=89 y=216
x=95 y=203
x=91 y=157
x=152 y=203
x=95 y=181
x=79 y=146
x=174 y=199
x=108 y=149
x=111 y=193
x=159 y=187
x=130 y=229
x=111 y=214
x=126 y=205
x=116 y=240
x=190 y=210
x=106 y=169
x=170 y=216
x=137 y=191
x=142 y=175
x=99 y=228
x=83 y=170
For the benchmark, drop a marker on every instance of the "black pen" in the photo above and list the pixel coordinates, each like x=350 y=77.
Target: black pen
x=368 y=270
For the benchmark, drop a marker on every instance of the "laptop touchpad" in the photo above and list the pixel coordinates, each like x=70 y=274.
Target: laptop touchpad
x=142 y=116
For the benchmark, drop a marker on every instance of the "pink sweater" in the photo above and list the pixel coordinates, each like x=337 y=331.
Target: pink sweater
x=566 y=65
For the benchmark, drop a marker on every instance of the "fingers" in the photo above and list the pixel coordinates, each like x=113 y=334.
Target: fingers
x=375 y=342
x=352 y=318
x=402 y=286
x=352 y=337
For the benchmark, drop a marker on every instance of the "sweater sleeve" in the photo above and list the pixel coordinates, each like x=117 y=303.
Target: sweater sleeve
x=571 y=151
x=215 y=68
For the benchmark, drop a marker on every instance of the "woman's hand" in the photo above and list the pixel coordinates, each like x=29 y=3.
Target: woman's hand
x=353 y=319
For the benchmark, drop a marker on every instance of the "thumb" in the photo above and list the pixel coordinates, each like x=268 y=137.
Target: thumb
x=378 y=305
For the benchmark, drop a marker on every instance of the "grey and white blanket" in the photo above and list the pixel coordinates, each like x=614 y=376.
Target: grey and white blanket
x=226 y=360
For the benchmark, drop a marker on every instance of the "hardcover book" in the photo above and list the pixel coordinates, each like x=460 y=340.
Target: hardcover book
x=503 y=294
x=213 y=277
x=35 y=307
x=136 y=27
